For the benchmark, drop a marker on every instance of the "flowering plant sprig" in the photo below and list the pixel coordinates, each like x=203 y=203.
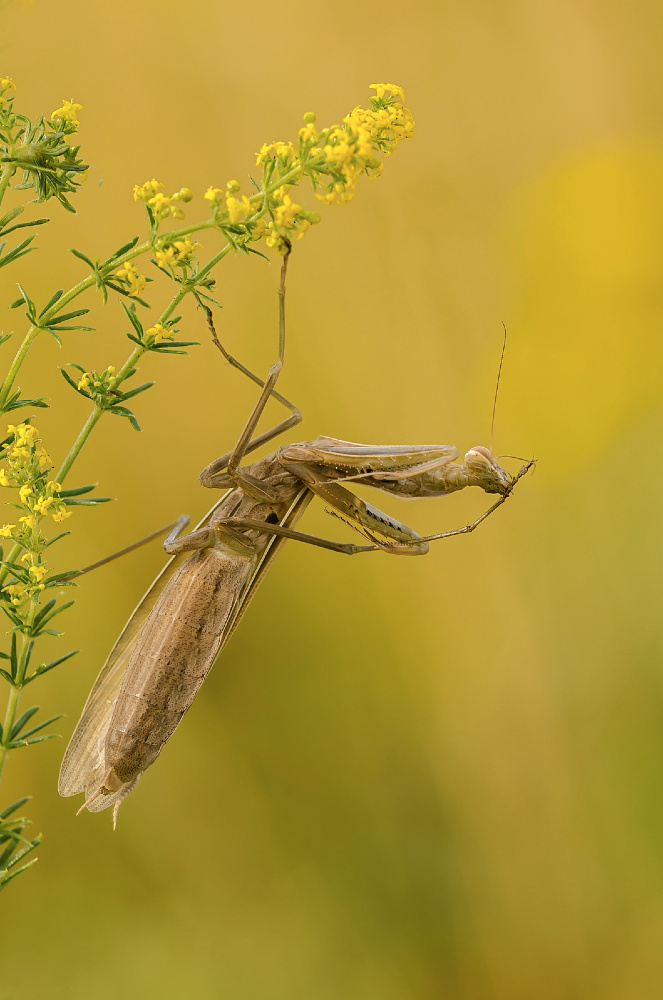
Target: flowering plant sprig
x=49 y=164
x=39 y=157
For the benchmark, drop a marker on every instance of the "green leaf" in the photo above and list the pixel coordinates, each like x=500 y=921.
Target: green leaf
x=23 y=225
x=42 y=725
x=51 y=541
x=54 y=336
x=21 y=721
x=78 y=491
x=16 y=404
x=121 y=411
x=133 y=319
x=87 y=503
x=63 y=317
x=66 y=329
x=134 y=392
x=8 y=810
x=74 y=385
x=81 y=256
x=17 y=251
x=43 y=668
x=42 y=619
x=51 y=302
x=17 y=744
x=12 y=214
x=6 y=875
x=123 y=249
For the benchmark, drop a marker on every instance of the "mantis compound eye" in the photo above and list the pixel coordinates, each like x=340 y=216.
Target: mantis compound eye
x=479 y=459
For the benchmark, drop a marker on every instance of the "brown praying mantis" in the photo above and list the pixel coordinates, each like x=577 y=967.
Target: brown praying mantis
x=169 y=644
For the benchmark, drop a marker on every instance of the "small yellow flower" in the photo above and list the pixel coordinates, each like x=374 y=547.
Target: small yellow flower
x=6 y=530
x=24 y=492
x=6 y=83
x=17 y=593
x=43 y=458
x=53 y=486
x=380 y=89
x=61 y=514
x=159 y=333
x=67 y=114
x=42 y=504
x=159 y=203
x=29 y=521
x=37 y=573
x=143 y=192
x=85 y=381
x=4 y=481
x=214 y=194
x=129 y=273
x=166 y=257
x=238 y=208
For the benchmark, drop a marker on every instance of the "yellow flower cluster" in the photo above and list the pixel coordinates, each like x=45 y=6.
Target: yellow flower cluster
x=67 y=116
x=289 y=222
x=131 y=280
x=179 y=253
x=285 y=152
x=162 y=206
x=333 y=159
x=27 y=465
x=32 y=587
x=98 y=384
x=236 y=205
x=387 y=121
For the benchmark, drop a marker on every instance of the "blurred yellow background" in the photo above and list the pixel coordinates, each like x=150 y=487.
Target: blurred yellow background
x=406 y=779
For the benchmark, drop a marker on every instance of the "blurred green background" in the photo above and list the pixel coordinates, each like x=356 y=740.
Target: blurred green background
x=407 y=779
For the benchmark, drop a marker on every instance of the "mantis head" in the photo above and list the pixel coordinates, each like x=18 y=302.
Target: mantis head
x=485 y=472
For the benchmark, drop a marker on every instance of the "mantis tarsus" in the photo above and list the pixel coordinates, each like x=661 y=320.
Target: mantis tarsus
x=169 y=644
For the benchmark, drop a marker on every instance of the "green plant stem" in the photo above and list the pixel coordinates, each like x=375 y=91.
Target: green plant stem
x=19 y=358
x=5 y=177
x=10 y=715
x=84 y=434
x=15 y=695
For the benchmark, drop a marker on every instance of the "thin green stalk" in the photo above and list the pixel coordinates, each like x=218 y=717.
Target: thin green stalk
x=5 y=177
x=19 y=358
x=15 y=694
x=10 y=715
x=84 y=434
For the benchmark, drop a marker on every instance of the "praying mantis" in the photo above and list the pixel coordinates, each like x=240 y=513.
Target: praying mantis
x=169 y=644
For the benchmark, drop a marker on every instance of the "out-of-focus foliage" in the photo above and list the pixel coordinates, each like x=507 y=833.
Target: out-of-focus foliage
x=407 y=778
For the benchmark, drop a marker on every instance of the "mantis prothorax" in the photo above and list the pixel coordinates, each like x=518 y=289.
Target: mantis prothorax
x=169 y=644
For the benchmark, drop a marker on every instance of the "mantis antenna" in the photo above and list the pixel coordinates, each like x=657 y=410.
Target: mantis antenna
x=497 y=385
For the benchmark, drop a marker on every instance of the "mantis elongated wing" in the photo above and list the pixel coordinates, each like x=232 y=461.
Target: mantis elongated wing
x=84 y=755
x=85 y=748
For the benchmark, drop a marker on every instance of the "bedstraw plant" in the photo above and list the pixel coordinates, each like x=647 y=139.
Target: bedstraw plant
x=39 y=164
